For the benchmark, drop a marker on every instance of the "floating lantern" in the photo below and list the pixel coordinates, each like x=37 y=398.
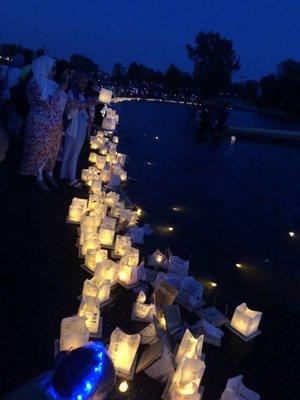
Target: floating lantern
x=94 y=143
x=97 y=287
x=170 y=229
x=87 y=233
x=89 y=309
x=189 y=347
x=123 y=387
x=122 y=350
x=111 y=199
x=131 y=257
x=96 y=186
x=88 y=221
x=122 y=244
x=73 y=333
x=115 y=139
x=93 y=157
x=107 y=231
x=95 y=199
x=100 y=163
x=93 y=257
x=109 y=124
x=128 y=275
x=213 y=284
x=238 y=265
x=105 y=175
x=105 y=96
x=90 y=242
x=108 y=269
x=235 y=389
x=123 y=176
x=100 y=210
x=156 y=259
x=75 y=213
x=121 y=158
x=143 y=311
x=291 y=234
x=187 y=378
x=245 y=321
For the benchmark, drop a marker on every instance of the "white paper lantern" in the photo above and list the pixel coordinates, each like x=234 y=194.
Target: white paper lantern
x=93 y=257
x=96 y=186
x=108 y=269
x=189 y=347
x=93 y=158
x=116 y=139
x=245 y=321
x=89 y=309
x=121 y=158
x=100 y=163
x=131 y=257
x=73 y=333
x=107 y=231
x=97 y=287
x=105 y=96
x=122 y=350
x=90 y=242
x=109 y=124
x=122 y=244
x=111 y=199
x=187 y=378
x=105 y=175
x=143 y=311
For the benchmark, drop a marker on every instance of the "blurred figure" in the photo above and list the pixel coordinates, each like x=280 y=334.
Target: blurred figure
x=44 y=128
x=86 y=373
x=28 y=55
x=75 y=132
x=220 y=123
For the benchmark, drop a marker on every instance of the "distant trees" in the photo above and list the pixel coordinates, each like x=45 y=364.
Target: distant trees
x=118 y=72
x=214 y=62
x=83 y=63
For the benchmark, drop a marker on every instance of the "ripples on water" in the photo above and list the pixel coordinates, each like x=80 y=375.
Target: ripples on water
x=237 y=204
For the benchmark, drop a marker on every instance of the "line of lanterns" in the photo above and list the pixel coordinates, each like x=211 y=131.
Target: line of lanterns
x=111 y=258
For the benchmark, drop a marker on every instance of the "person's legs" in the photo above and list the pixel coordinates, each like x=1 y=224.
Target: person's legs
x=69 y=162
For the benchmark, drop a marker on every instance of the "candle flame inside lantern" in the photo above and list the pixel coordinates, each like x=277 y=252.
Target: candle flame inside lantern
x=123 y=387
x=159 y=258
x=291 y=234
x=170 y=228
x=238 y=265
x=213 y=284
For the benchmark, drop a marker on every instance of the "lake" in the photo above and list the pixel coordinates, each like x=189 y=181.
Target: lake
x=237 y=203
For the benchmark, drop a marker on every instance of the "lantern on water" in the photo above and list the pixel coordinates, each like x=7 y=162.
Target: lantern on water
x=105 y=175
x=111 y=199
x=121 y=158
x=93 y=157
x=115 y=139
x=122 y=244
x=75 y=213
x=96 y=186
x=88 y=221
x=86 y=233
x=73 y=333
x=107 y=231
x=100 y=210
x=97 y=287
x=89 y=309
x=109 y=124
x=90 y=242
x=156 y=259
x=122 y=350
x=117 y=209
x=123 y=176
x=128 y=275
x=105 y=96
x=93 y=257
x=143 y=311
x=100 y=163
x=108 y=269
x=189 y=347
x=187 y=378
x=95 y=199
x=245 y=321
x=131 y=257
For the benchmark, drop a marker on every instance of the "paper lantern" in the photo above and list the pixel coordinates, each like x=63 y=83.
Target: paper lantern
x=93 y=257
x=73 y=333
x=109 y=124
x=96 y=186
x=107 y=231
x=122 y=350
x=187 y=378
x=143 y=311
x=236 y=390
x=245 y=321
x=189 y=347
x=121 y=158
x=131 y=257
x=156 y=259
x=88 y=221
x=122 y=244
x=117 y=209
x=100 y=210
x=89 y=309
x=87 y=233
x=116 y=139
x=105 y=96
x=105 y=175
x=108 y=269
x=90 y=242
x=94 y=143
x=123 y=176
x=95 y=199
x=111 y=199
x=100 y=163
x=97 y=287
x=128 y=275
x=93 y=157
x=75 y=213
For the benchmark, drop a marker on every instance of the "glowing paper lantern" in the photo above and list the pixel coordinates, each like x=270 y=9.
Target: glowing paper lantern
x=116 y=139
x=123 y=349
x=128 y=275
x=93 y=157
x=123 y=176
x=187 y=378
x=105 y=96
x=90 y=242
x=156 y=259
x=131 y=257
x=89 y=309
x=87 y=233
x=121 y=158
x=245 y=321
x=109 y=124
x=236 y=390
x=105 y=175
x=73 y=333
x=97 y=287
x=108 y=269
x=77 y=209
x=96 y=186
x=107 y=231
x=122 y=244
x=143 y=311
x=111 y=199
x=189 y=347
x=93 y=257
x=100 y=163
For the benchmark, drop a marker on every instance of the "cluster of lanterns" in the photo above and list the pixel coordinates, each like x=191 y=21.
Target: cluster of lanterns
x=106 y=245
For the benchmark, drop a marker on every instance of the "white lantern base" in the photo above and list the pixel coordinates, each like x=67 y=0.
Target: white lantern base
x=166 y=395
x=241 y=336
x=102 y=304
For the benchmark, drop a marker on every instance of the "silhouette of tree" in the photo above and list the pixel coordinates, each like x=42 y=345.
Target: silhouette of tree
x=214 y=61
x=83 y=63
x=118 y=72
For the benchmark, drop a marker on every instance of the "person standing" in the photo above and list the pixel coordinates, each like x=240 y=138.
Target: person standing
x=75 y=132
x=44 y=128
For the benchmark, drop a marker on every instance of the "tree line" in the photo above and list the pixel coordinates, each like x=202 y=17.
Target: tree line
x=214 y=62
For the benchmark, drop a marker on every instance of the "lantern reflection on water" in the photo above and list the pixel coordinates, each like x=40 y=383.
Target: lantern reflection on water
x=245 y=321
x=73 y=333
x=122 y=350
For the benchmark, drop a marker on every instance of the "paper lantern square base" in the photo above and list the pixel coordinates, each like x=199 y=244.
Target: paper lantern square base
x=131 y=373
x=102 y=304
x=241 y=336
x=166 y=396
x=68 y=221
x=128 y=287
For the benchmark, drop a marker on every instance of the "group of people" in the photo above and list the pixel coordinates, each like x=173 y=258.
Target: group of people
x=51 y=106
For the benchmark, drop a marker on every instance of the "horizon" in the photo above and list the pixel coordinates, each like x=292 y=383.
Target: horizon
x=263 y=34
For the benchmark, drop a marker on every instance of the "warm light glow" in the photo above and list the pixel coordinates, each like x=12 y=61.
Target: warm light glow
x=159 y=258
x=170 y=228
x=245 y=321
x=156 y=138
x=213 y=284
x=238 y=265
x=139 y=211
x=291 y=234
x=123 y=387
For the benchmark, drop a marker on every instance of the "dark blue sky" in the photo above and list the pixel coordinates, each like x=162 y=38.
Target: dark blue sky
x=155 y=32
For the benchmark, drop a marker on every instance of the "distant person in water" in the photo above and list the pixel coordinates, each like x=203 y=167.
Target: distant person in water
x=86 y=373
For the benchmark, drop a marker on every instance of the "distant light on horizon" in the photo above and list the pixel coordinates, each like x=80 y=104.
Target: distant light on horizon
x=291 y=234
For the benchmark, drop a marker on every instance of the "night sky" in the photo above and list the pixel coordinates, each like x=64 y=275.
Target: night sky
x=155 y=32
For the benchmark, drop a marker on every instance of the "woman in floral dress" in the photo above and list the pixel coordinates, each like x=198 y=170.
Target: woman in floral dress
x=44 y=123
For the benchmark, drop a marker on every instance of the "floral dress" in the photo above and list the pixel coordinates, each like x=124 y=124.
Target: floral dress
x=43 y=130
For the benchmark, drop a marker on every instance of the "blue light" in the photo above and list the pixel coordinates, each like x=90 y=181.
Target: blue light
x=79 y=397
x=88 y=387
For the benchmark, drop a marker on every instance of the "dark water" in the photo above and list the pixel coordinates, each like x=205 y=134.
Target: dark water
x=238 y=203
